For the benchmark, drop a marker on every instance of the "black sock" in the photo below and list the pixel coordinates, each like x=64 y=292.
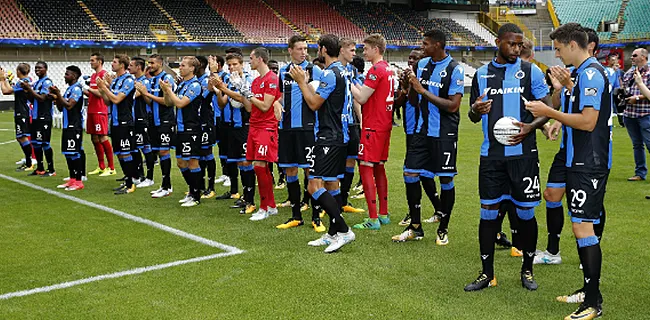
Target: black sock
x=130 y=168
x=429 y=186
x=293 y=188
x=305 y=194
x=78 y=167
x=224 y=167
x=150 y=158
x=414 y=198
x=447 y=200
x=38 y=151
x=327 y=201
x=186 y=175
x=591 y=258
x=83 y=162
x=346 y=184
x=248 y=183
x=337 y=196
x=528 y=234
x=598 y=228
x=71 y=169
x=27 y=151
x=138 y=165
x=49 y=156
x=212 y=173
x=233 y=174
x=195 y=177
x=203 y=165
x=166 y=168
x=554 y=224
x=509 y=209
x=486 y=231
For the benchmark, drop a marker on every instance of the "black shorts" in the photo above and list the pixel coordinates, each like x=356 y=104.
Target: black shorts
x=443 y=158
x=123 y=140
x=329 y=162
x=557 y=173
x=237 y=144
x=585 y=193
x=41 y=131
x=22 y=127
x=162 y=137
x=353 y=143
x=188 y=145
x=71 y=141
x=208 y=136
x=224 y=137
x=142 y=135
x=296 y=149
x=217 y=131
x=509 y=179
x=418 y=154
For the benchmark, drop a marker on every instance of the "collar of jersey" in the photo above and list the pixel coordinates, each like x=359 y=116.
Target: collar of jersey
x=189 y=81
x=126 y=74
x=586 y=63
x=446 y=59
x=42 y=79
x=205 y=75
x=334 y=64
x=505 y=65
x=142 y=77
x=160 y=75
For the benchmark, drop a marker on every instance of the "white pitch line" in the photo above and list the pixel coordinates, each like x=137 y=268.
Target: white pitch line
x=120 y=274
x=7 y=142
x=230 y=250
x=5 y=129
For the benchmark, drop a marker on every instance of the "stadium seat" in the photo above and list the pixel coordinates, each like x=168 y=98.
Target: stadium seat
x=13 y=23
x=63 y=17
x=637 y=24
x=200 y=20
x=116 y=15
x=588 y=13
x=256 y=21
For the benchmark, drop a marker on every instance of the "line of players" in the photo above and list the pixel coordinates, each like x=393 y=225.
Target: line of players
x=322 y=113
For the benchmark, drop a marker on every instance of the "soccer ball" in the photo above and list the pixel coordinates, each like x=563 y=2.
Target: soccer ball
x=504 y=129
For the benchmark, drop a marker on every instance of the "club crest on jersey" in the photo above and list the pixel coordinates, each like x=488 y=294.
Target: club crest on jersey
x=372 y=77
x=443 y=73
x=520 y=74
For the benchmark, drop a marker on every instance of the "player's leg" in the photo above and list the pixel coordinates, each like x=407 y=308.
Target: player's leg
x=429 y=186
x=47 y=150
x=348 y=176
x=211 y=166
x=94 y=128
x=36 y=142
x=553 y=194
x=381 y=180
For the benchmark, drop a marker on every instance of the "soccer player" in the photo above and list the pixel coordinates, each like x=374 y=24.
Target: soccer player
x=511 y=171
x=376 y=97
x=216 y=68
x=41 y=128
x=587 y=126
x=236 y=119
x=438 y=82
x=163 y=131
x=120 y=96
x=97 y=122
x=187 y=100
x=141 y=111
x=21 y=111
x=208 y=131
x=329 y=100
x=296 y=145
x=346 y=56
x=262 y=143
x=71 y=104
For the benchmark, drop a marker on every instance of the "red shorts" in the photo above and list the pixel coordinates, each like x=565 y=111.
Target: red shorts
x=262 y=145
x=373 y=145
x=97 y=123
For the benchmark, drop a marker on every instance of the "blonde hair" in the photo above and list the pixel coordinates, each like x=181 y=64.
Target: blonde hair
x=376 y=40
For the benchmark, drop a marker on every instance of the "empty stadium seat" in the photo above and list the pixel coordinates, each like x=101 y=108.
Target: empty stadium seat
x=120 y=17
x=636 y=22
x=60 y=16
x=200 y=20
x=255 y=20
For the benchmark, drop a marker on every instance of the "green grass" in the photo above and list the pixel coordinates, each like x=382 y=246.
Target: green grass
x=47 y=240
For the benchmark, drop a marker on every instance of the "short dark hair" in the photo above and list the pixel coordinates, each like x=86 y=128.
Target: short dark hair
x=24 y=68
x=437 y=36
x=263 y=53
x=571 y=32
x=273 y=61
x=43 y=63
x=294 y=39
x=237 y=56
x=220 y=60
x=234 y=50
x=123 y=60
x=157 y=57
x=74 y=69
x=592 y=36
x=99 y=56
x=508 y=28
x=331 y=43
x=359 y=63
x=139 y=62
x=203 y=61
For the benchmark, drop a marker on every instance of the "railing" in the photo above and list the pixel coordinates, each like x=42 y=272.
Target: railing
x=551 y=12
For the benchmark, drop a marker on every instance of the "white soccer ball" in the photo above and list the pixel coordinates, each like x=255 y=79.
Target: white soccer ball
x=504 y=129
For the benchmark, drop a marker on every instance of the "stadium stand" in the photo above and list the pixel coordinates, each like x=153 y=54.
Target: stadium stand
x=377 y=18
x=589 y=13
x=114 y=14
x=318 y=19
x=13 y=23
x=637 y=24
x=255 y=20
x=65 y=18
x=200 y=20
x=475 y=31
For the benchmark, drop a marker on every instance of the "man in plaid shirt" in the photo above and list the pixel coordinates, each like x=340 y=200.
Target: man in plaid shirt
x=637 y=112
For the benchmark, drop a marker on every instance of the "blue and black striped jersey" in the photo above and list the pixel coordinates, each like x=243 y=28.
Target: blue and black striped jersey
x=122 y=113
x=42 y=110
x=297 y=115
x=187 y=118
x=162 y=114
x=331 y=126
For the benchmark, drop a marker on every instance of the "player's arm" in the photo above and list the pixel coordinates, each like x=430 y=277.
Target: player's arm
x=362 y=93
x=314 y=99
x=65 y=103
x=560 y=78
x=642 y=86
x=450 y=105
x=263 y=105
x=4 y=83
x=478 y=105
